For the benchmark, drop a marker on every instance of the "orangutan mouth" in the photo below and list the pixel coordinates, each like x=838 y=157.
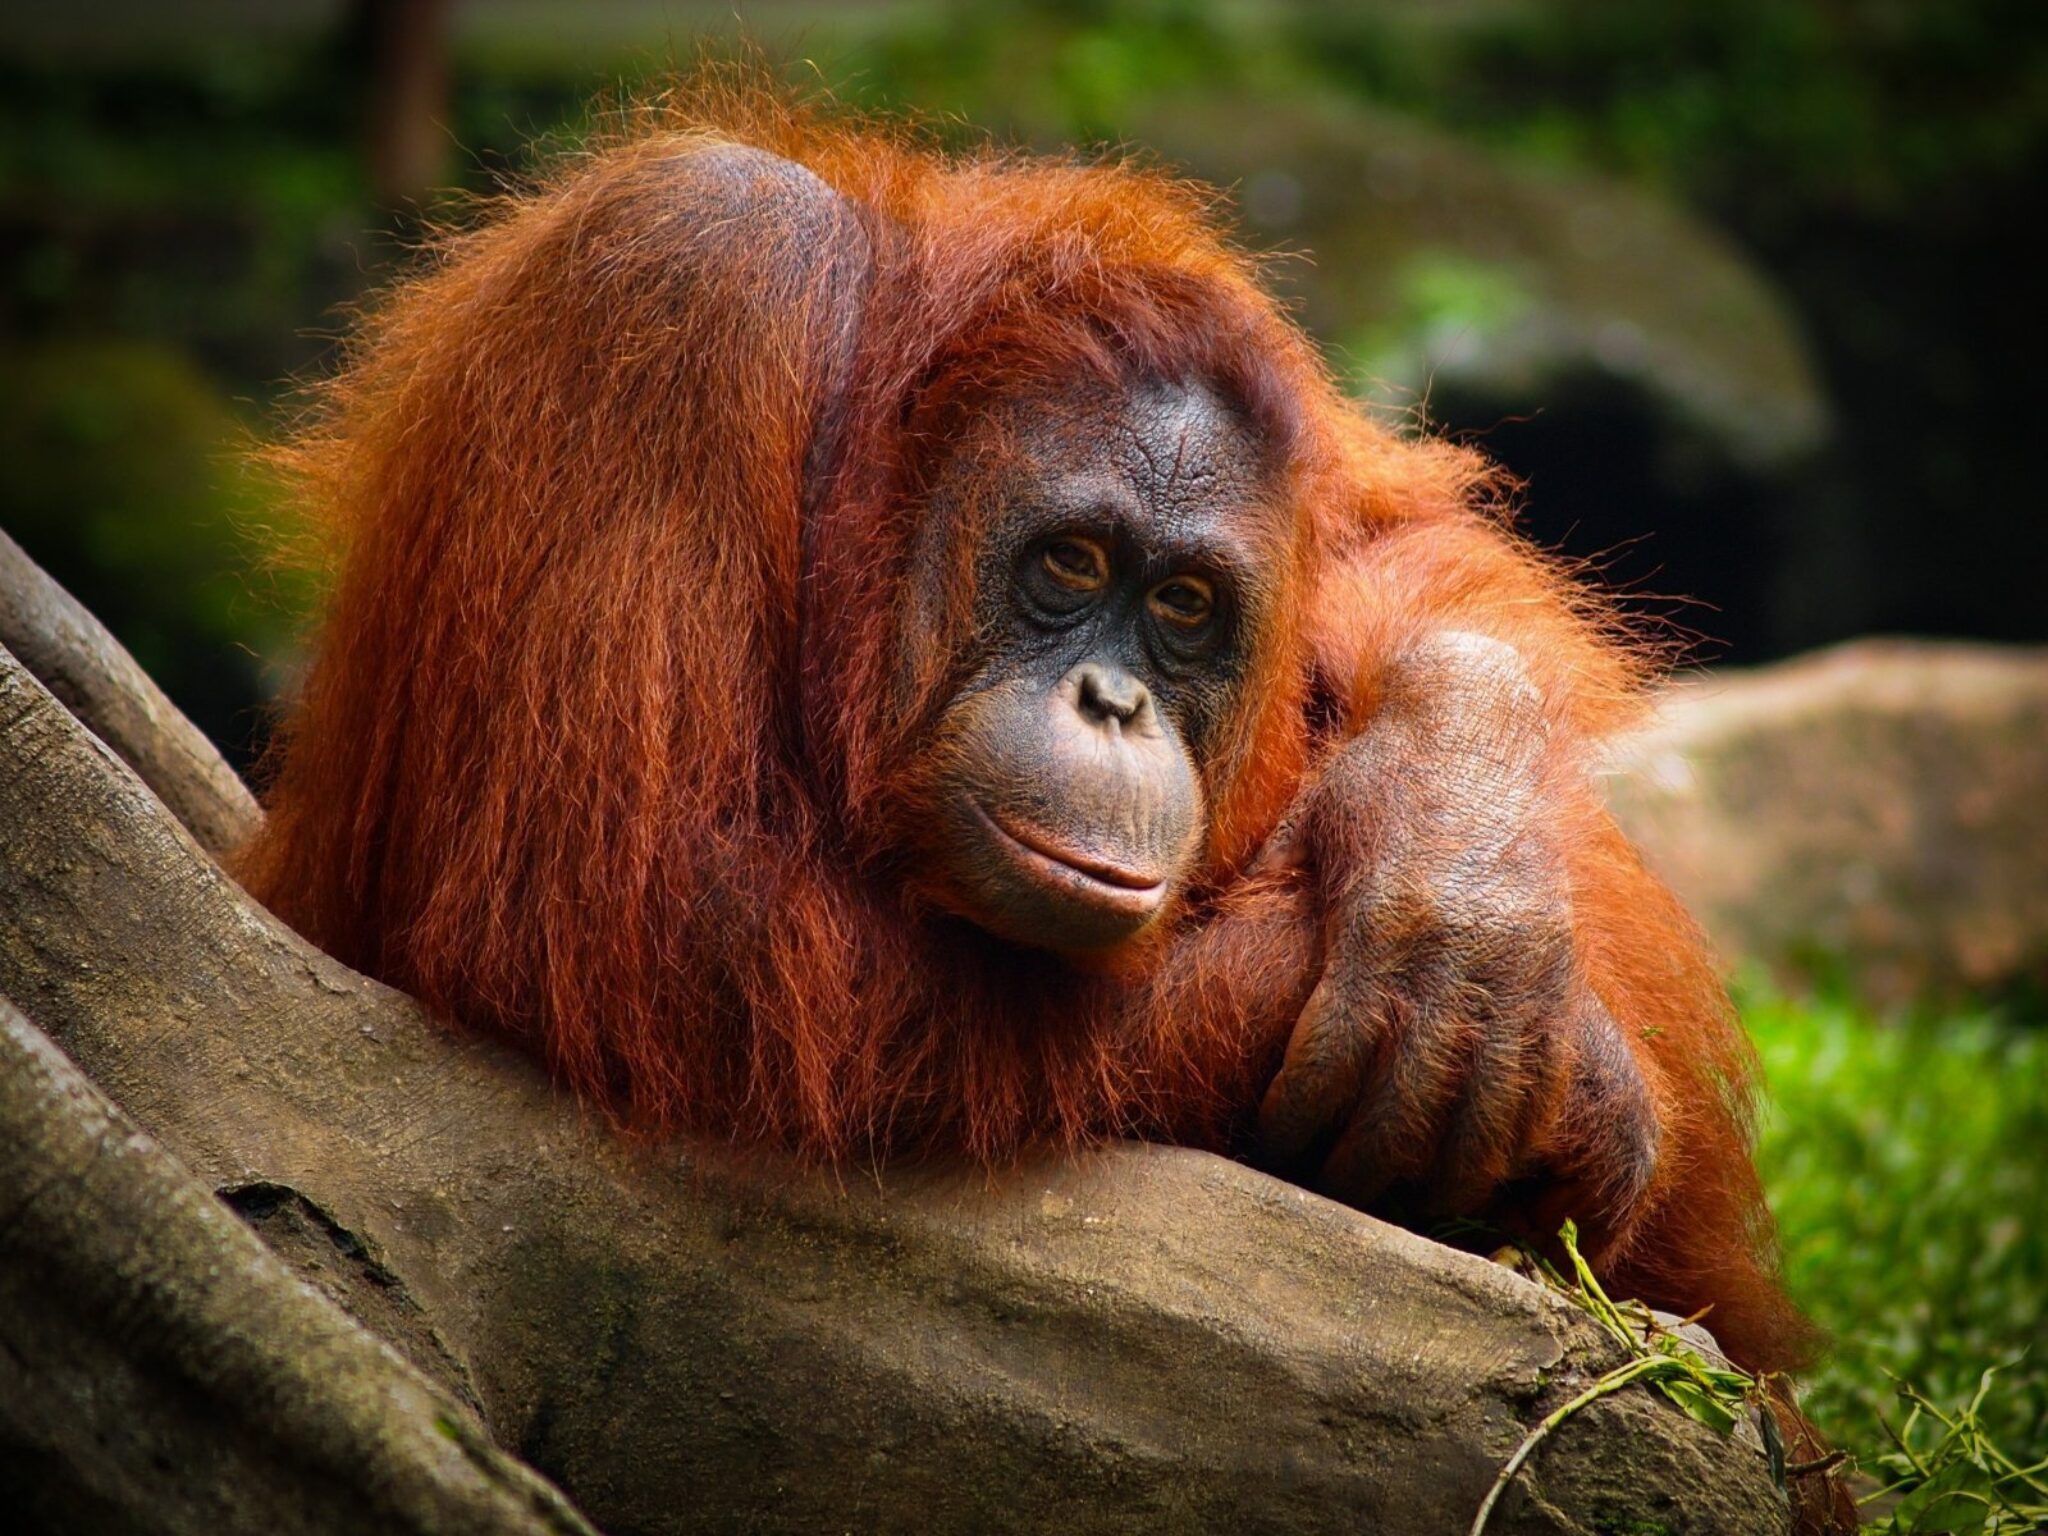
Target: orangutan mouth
x=1036 y=850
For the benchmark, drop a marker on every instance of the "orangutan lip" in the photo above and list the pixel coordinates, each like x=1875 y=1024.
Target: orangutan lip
x=1094 y=869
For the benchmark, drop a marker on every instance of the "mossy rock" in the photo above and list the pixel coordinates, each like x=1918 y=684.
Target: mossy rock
x=1434 y=260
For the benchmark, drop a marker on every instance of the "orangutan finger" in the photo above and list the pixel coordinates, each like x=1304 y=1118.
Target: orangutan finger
x=1521 y=994
x=1614 y=1113
x=1286 y=851
x=1397 y=1126
x=1602 y=1151
x=1328 y=1056
x=1489 y=1123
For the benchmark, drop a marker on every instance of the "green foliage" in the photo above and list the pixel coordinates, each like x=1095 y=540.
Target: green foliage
x=1441 y=299
x=1715 y=1395
x=1905 y=1161
x=1869 y=105
x=123 y=481
x=202 y=206
x=1072 y=69
x=1904 y=1164
x=1952 y=1478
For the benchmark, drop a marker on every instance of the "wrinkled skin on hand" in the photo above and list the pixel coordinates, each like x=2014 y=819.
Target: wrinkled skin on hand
x=1451 y=1059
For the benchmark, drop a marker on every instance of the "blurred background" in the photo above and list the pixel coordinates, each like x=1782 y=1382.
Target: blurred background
x=1740 y=288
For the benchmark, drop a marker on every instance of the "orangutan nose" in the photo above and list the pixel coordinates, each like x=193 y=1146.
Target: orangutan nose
x=1108 y=693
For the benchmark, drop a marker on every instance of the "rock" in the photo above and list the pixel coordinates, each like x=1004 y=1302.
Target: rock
x=1881 y=807
x=1434 y=261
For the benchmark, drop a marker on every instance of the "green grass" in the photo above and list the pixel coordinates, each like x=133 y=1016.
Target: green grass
x=1907 y=1161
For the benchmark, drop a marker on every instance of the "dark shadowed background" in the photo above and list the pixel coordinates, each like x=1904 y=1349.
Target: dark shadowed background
x=1739 y=286
x=1743 y=289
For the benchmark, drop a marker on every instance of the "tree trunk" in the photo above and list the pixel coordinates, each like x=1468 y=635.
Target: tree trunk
x=402 y=46
x=682 y=1338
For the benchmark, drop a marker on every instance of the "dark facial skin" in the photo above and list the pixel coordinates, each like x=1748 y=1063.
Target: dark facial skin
x=1118 y=591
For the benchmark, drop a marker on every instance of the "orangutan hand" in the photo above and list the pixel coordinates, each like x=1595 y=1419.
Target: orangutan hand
x=1450 y=1045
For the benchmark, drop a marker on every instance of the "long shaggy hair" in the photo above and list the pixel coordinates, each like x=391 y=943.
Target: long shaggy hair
x=608 y=741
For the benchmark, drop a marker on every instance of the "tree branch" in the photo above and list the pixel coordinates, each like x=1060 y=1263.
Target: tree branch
x=180 y=1376
x=70 y=652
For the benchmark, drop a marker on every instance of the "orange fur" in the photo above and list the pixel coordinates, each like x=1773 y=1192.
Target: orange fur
x=605 y=742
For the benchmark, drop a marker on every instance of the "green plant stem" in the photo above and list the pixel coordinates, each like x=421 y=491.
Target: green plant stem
x=1613 y=1381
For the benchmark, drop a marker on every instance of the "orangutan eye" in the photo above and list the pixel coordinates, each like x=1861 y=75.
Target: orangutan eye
x=1185 y=601
x=1077 y=564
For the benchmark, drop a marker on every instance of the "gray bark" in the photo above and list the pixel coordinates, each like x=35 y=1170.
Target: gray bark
x=54 y=637
x=164 y=1370
x=686 y=1339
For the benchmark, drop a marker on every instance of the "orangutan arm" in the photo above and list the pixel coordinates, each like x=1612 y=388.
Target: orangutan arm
x=1453 y=1041
x=1510 y=1019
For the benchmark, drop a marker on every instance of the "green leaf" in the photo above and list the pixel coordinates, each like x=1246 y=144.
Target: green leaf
x=1774 y=1445
x=1700 y=1404
x=1954 y=1502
